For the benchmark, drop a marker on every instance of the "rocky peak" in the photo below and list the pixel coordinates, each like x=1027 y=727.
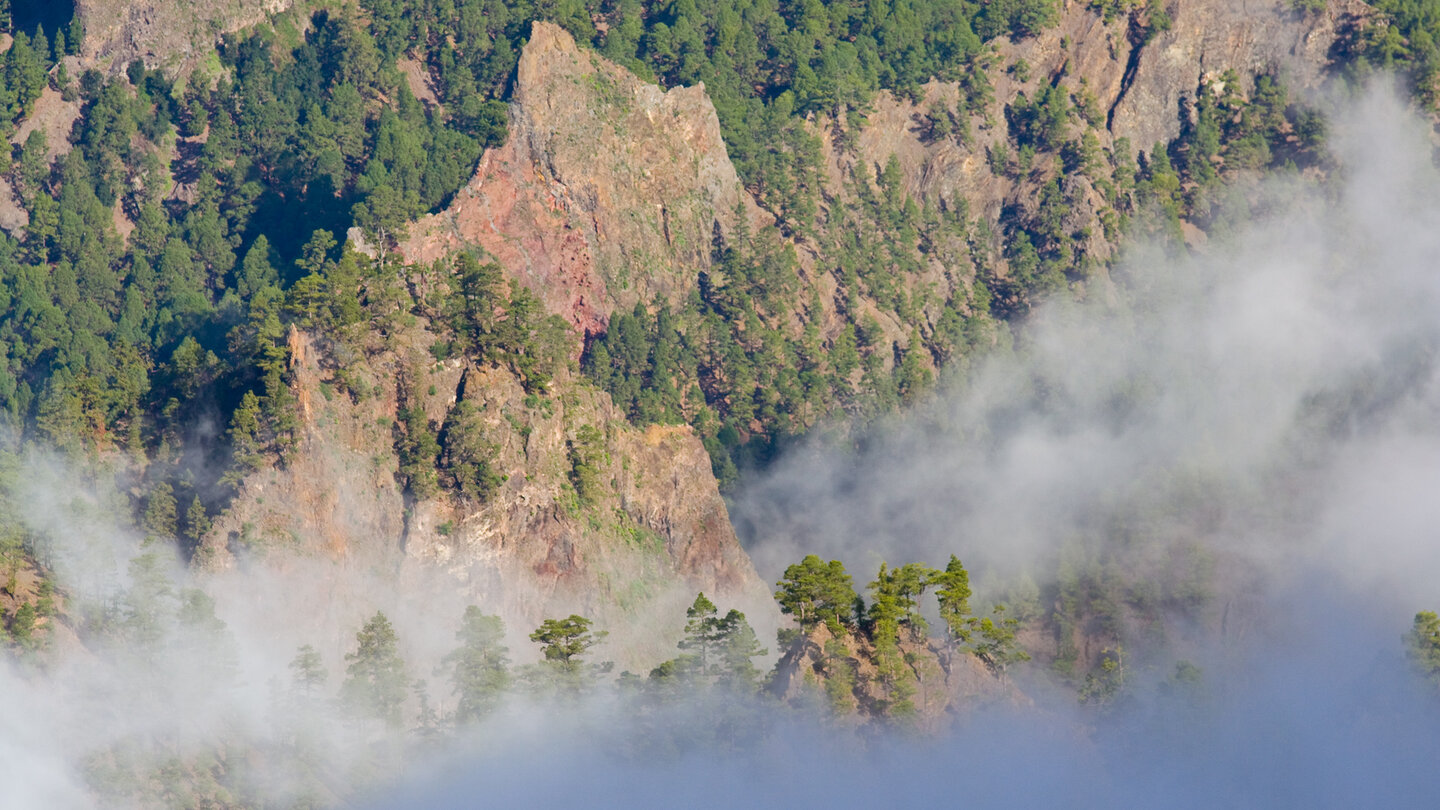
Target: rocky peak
x=607 y=192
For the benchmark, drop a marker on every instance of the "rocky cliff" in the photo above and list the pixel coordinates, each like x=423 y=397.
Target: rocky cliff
x=611 y=190
x=638 y=546
x=1141 y=87
x=1207 y=39
x=172 y=34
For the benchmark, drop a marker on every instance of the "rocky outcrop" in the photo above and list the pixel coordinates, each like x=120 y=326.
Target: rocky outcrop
x=938 y=683
x=173 y=34
x=1138 y=85
x=1209 y=38
x=651 y=532
x=608 y=191
x=656 y=499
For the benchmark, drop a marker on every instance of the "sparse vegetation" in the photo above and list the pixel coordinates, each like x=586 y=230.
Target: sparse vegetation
x=1422 y=645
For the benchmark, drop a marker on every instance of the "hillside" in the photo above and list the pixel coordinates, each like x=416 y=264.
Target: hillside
x=372 y=312
x=365 y=422
x=908 y=227
x=586 y=515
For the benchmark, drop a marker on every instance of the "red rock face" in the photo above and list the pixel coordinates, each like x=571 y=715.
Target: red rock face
x=608 y=191
x=510 y=215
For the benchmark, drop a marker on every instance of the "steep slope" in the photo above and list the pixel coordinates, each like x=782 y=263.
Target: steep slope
x=1144 y=87
x=1207 y=39
x=611 y=192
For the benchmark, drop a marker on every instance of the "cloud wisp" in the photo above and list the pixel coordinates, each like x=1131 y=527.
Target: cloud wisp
x=1286 y=376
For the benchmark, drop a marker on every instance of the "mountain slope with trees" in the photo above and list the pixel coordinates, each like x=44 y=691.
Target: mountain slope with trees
x=461 y=286
x=186 y=263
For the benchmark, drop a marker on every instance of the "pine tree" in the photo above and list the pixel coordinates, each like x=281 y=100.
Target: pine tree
x=245 y=445
x=952 y=591
x=895 y=602
x=717 y=650
x=25 y=73
x=912 y=377
x=476 y=295
x=887 y=608
x=738 y=647
x=1106 y=683
x=468 y=456
x=197 y=520
x=703 y=634
x=375 y=681
x=22 y=627
x=160 y=511
x=307 y=671
x=479 y=666
x=416 y=445
x=256 y=270
x=34 y=164
x=813 y=592
x=564 y=643
x=996 y=645
x=149 y=603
